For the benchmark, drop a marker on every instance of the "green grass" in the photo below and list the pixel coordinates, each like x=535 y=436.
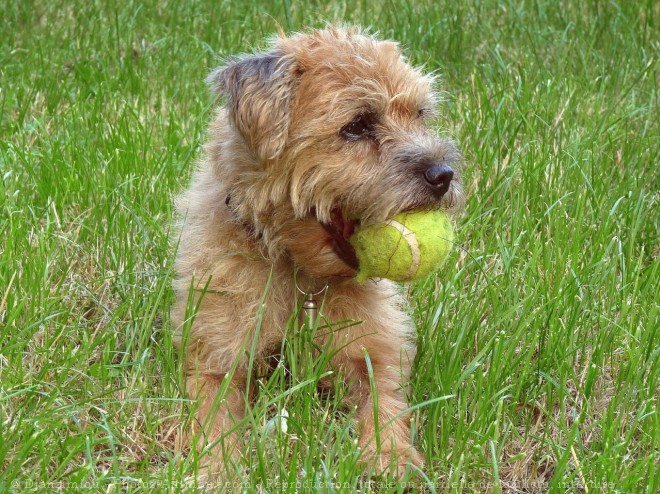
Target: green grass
x=539 y=343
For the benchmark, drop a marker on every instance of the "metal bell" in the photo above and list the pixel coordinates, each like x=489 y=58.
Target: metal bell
x=310 y=310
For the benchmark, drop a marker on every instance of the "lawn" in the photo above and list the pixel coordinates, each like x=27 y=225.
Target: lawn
x=539 y=341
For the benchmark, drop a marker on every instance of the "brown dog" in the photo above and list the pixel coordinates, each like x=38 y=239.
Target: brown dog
x=324 y=133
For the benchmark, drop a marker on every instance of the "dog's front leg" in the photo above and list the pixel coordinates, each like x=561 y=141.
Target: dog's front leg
x=377 y=372
x=219 y=411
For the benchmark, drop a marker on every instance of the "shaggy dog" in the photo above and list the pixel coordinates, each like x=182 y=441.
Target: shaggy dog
x=325 y=132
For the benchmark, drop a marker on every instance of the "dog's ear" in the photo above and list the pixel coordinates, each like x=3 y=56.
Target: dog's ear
x=259 y=90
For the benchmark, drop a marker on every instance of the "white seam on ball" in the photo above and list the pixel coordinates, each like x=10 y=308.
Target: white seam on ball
x=411 y=238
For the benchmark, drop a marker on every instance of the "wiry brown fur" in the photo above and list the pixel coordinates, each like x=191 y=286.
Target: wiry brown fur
x=275 y=170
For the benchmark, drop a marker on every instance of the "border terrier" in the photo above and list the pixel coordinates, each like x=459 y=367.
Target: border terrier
x=324 y=132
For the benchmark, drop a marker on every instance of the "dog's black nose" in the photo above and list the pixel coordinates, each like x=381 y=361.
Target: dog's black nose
x=439 y=176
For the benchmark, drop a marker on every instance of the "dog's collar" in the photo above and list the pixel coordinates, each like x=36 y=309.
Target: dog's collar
x=249 y=227
x=339 y=231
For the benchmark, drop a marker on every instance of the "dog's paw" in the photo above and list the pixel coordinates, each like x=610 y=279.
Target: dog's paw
x=393 y=462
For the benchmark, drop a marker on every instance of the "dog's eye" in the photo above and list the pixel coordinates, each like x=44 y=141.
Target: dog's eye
x=360 y=127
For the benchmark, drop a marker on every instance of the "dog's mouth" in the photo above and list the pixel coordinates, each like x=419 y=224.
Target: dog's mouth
x=340 y=230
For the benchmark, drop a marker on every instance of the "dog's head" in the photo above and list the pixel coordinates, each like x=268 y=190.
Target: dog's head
x=332 y=130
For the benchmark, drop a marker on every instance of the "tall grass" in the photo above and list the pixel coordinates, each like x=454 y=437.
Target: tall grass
x=539 y=346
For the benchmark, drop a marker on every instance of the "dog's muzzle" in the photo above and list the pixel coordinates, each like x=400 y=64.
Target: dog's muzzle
x=439 y=176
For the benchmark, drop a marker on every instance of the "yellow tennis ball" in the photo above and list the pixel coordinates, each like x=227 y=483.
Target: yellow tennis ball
x=407 y=247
